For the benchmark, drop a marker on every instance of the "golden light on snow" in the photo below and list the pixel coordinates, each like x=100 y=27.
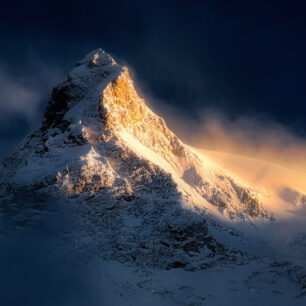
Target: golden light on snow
x=123 y=104
x=282 y=188
x=227 y=185
x=245 y=136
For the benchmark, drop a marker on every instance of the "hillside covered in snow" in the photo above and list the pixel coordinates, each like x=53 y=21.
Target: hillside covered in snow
x=138 y=198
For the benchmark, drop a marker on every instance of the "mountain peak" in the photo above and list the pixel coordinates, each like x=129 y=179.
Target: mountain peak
x=72 y=100
x=97 y=57
x=97 y=112
x=134 y=193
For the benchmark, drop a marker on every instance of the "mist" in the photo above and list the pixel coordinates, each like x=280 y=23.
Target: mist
x=253 y=135
x=25 y=91
x=278 y=165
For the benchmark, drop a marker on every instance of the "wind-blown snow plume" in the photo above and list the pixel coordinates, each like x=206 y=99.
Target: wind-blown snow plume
x=251 y=136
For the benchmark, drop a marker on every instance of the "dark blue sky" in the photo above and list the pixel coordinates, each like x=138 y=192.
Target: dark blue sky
x=237 y=57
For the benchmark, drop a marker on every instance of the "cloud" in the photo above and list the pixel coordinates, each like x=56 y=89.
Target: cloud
x=255 y=135
x=16 y=98
x=24 y=92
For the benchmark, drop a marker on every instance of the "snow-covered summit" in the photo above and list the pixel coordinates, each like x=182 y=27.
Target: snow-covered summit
x=102 y=148
x=97 y=57
x=137 y=194
x=71 y=99
x=97 y=107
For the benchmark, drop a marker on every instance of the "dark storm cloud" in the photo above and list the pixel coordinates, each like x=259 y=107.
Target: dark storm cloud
x=239 y=58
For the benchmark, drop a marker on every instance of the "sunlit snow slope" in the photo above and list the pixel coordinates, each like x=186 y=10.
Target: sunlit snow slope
x=283 y=189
